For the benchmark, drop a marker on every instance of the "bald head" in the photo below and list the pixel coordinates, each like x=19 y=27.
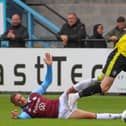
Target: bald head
x=16 y=20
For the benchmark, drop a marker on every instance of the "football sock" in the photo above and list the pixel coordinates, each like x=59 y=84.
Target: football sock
x=90 y=90
x=108 y=116
x=84 y=84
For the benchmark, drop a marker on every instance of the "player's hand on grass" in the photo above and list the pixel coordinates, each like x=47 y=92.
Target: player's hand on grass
x=14 y=114
x=48 y=59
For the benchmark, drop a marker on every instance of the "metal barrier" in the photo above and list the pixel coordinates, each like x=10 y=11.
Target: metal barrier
x=44 y=43
x=48 y=43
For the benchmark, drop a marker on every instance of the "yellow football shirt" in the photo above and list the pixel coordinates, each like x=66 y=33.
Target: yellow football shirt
x=121 y=45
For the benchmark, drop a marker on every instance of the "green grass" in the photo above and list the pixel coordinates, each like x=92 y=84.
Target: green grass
x=94 y=103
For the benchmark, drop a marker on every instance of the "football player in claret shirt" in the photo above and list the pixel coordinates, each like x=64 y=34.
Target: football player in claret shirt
x=37 y=106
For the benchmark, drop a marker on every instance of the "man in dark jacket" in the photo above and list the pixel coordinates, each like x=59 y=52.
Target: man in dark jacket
x=16 y=33
x=72 y=32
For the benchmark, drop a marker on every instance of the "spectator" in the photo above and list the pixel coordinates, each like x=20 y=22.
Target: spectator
x=16 y=33
x=115 y=34
x=72 y=32
x=97 y=40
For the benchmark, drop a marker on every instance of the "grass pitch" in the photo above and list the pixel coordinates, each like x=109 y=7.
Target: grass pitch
x=115 y=104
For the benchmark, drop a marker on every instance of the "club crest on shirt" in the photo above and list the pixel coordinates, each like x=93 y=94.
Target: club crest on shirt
x=34 y=98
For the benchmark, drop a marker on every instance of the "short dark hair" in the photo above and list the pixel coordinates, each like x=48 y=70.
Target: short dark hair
x=12 y=98
x=121 y=19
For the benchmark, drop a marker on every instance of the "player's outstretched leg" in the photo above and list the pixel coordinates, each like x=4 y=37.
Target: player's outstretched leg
x=80 y=86
x=76 y=91
x=81 y=114
x=73 y=97
x=84 y=84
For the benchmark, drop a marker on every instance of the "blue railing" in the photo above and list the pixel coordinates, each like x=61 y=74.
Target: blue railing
x=32 y=14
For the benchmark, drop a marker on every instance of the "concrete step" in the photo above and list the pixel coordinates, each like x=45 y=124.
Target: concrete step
x=77 y=1
x=90 y=13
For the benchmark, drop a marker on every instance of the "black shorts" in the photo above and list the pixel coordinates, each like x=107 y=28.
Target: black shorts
x=115 y=63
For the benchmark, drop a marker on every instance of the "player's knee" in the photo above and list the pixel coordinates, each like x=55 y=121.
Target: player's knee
x=104 y=89
x=71 y=90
